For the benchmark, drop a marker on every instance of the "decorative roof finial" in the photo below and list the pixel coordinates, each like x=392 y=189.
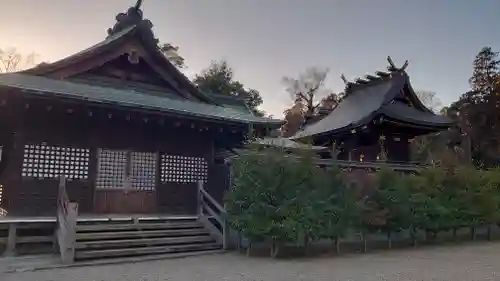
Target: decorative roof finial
x=392 y=66
x=132 y=18
x=405 y=65
x=342 y=76
x=138 y=5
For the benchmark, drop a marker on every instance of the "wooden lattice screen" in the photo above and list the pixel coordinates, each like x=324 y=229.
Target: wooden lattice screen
x=120 y=169
x=111 y=169
x=143 y=170
x=44 y=161
x=183 y=169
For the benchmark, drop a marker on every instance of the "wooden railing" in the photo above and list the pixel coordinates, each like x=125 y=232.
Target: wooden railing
x=3 y=212
x=213 y=216
x=398 y=166
x=67 y=214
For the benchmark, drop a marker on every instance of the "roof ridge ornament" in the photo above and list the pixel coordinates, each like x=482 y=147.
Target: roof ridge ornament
x=392 y=67
x=133 y=17
x=370 y=79
x=342 y=76
x=348 y=84
x=138 y=5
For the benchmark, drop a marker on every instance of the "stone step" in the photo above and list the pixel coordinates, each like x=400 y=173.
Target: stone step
x=147 y=233
x=137 y=226
x=124 y=252
x=149 y=242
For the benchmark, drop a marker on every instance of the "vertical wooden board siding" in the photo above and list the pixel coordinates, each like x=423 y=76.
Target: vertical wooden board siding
x=79 y=129
x=125 y=202
x=177 y=198
x=218 y=181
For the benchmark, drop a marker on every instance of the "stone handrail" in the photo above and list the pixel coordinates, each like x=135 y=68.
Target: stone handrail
x=217 y=213
x=67 y=214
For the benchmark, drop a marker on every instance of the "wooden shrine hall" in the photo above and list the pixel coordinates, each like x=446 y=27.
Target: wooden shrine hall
x=376 y=120
x=127 y=129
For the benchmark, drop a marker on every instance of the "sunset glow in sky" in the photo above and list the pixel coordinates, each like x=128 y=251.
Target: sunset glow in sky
x=264 y=40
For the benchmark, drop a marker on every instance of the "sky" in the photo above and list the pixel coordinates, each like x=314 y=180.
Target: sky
x=265 y=40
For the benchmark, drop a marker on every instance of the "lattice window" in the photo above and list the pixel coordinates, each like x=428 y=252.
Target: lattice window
x=143 y=170
x=111 y=169
x=120 y=169
x=44 y=161
x=183 y=169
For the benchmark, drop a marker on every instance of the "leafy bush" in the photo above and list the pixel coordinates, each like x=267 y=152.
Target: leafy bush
x=280 y=198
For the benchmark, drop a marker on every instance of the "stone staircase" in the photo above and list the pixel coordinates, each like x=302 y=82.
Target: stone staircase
x=132 y=238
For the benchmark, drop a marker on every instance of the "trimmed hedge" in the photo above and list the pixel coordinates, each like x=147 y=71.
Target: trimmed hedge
x=280 y=200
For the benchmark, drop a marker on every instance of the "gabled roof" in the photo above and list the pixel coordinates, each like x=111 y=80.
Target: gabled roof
x=368 y=99
x=131 y=34
x=37 y=85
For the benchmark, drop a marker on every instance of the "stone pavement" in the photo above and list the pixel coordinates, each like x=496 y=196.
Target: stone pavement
x=473 y=262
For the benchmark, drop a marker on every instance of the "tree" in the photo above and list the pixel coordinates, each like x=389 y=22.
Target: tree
x=172 y=53
x=485 y=74
x=294 y=119
x=218 y=78
x=312 y=101
x=308 y=89
x=430 y=100
x=12 y=61
x=330 y=102
x=477 y=110
x=428 y=148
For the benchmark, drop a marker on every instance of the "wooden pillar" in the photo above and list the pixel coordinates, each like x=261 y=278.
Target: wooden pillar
x=94 y=139
x=11 y=177
x=199 y=199
x=11 y=240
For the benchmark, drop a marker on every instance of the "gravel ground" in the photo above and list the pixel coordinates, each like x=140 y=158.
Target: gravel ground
x=454 y=263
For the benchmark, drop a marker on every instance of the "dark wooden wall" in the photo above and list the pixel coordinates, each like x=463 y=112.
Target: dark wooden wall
x=45 y=122
x=368 y=143
x=398 y=149
x=218 y=181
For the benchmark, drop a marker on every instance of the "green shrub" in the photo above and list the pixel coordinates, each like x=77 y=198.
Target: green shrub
x=392 y=198
x=280 y=198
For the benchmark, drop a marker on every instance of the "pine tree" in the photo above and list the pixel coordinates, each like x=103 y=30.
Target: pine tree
x=479 y=108
x=485 y=73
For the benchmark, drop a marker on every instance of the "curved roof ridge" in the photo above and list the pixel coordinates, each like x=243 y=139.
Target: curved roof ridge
x=130 y=23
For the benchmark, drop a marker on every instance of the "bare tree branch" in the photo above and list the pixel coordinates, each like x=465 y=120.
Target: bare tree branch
x=430 y=100
x=12 y=61
x=308 y=88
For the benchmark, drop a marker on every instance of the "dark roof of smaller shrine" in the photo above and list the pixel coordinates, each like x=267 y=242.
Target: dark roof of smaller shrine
x=374 y=96
x=401 y=111
x=38 y=85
